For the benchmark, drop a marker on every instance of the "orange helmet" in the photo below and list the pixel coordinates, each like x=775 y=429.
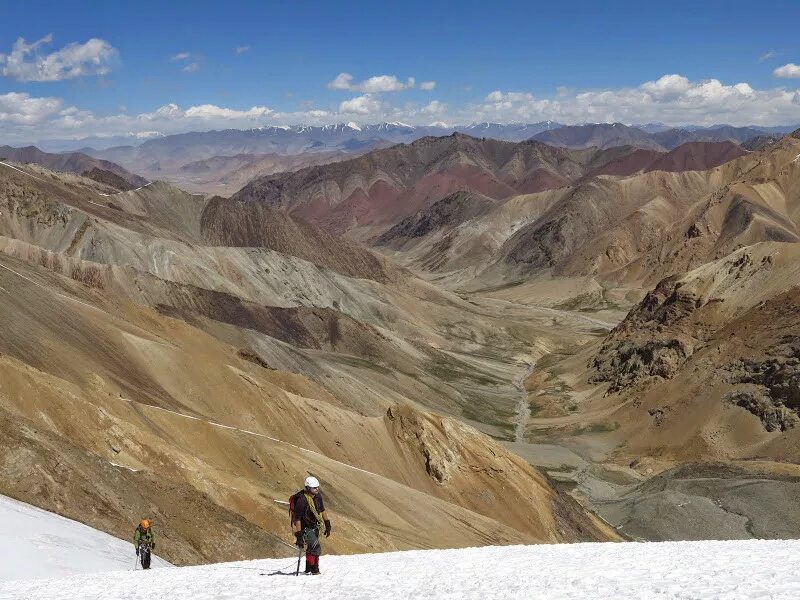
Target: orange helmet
x=144 y=524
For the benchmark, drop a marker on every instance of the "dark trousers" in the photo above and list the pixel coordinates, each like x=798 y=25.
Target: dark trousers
x=144 y=556
x=313 y=548
x=311 y=535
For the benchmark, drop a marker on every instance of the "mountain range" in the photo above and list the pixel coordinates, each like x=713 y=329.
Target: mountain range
x=518 y=336
x=174 y=158
x=365 y=196
x=608 y=135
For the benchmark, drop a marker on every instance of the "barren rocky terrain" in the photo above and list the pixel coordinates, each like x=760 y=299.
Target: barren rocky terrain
x=609 y=328
x=172 y=355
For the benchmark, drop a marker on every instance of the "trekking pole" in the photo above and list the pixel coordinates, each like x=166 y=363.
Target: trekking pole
x=136 y=562
x=299 y=556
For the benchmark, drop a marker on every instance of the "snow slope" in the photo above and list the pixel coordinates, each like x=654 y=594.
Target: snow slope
x=670 y=570
x=35 y=543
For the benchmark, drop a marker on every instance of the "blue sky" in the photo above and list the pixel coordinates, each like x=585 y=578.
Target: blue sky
x=504 y=61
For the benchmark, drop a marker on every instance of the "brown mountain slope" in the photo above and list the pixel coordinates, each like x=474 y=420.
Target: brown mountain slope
x=222 y=411
x=697 y=156
x=447 y=213
x=367 y=195
x=573 y=215
x=692 y=156
x=87 y=223
x=642 y=228
x=231 y=222
x=710 y=361
x=74 y=162
x=224 y=175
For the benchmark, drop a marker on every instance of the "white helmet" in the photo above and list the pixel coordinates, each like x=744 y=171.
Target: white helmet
x=312 y=482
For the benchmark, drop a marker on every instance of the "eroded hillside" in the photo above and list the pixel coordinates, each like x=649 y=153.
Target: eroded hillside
x=169 y=355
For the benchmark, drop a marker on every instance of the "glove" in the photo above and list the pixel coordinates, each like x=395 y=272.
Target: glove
x=328 y=528
x=298 y=539
x=137 y=550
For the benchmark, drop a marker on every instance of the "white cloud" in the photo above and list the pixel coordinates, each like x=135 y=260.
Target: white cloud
x=181 y=56
x=767 y=56
x=427 y=85
x=191 y=67
x=210 y=111
x=361 y=105
x=26 y=63
x=790 y=71
x=498 y=97
x=434 y=108
x=374 y=85
x=342 y=81
x=671 y=99
x=169 y=118
x=20 y=109
x=242 y=49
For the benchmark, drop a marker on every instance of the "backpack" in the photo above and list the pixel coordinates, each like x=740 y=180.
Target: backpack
x=293 y=502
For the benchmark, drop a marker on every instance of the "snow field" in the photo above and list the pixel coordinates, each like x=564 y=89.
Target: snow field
x=35 y=543
x=738 y=570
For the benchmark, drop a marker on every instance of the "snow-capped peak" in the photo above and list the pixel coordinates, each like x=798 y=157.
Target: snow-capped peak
x=354 y=125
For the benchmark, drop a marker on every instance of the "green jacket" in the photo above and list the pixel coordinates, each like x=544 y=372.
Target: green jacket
x=144 y=537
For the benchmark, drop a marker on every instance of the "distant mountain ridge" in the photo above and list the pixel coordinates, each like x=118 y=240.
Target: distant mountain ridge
x=389 y=131
x=165 y=157
x=651 y=136
x=164 y=152
x=75 y=162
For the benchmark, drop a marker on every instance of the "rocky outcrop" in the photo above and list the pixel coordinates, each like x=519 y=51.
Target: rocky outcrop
x=646 y=344
x=627 y=363
x=773 y=385
x=433 y=443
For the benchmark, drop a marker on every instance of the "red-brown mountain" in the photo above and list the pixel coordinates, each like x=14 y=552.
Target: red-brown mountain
x=692 y=156
x=369 y=194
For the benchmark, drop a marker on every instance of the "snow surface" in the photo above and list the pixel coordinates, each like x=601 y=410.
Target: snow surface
x=670 y=570
x=35 y=544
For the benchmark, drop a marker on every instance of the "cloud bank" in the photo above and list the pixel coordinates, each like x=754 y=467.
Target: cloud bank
x=670 y=99
x=26 y=62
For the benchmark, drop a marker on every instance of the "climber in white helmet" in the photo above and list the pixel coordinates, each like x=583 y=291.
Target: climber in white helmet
x=308 y=516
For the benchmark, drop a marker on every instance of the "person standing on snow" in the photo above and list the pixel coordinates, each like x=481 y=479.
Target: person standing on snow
x=308 y=515
x=145 y=541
